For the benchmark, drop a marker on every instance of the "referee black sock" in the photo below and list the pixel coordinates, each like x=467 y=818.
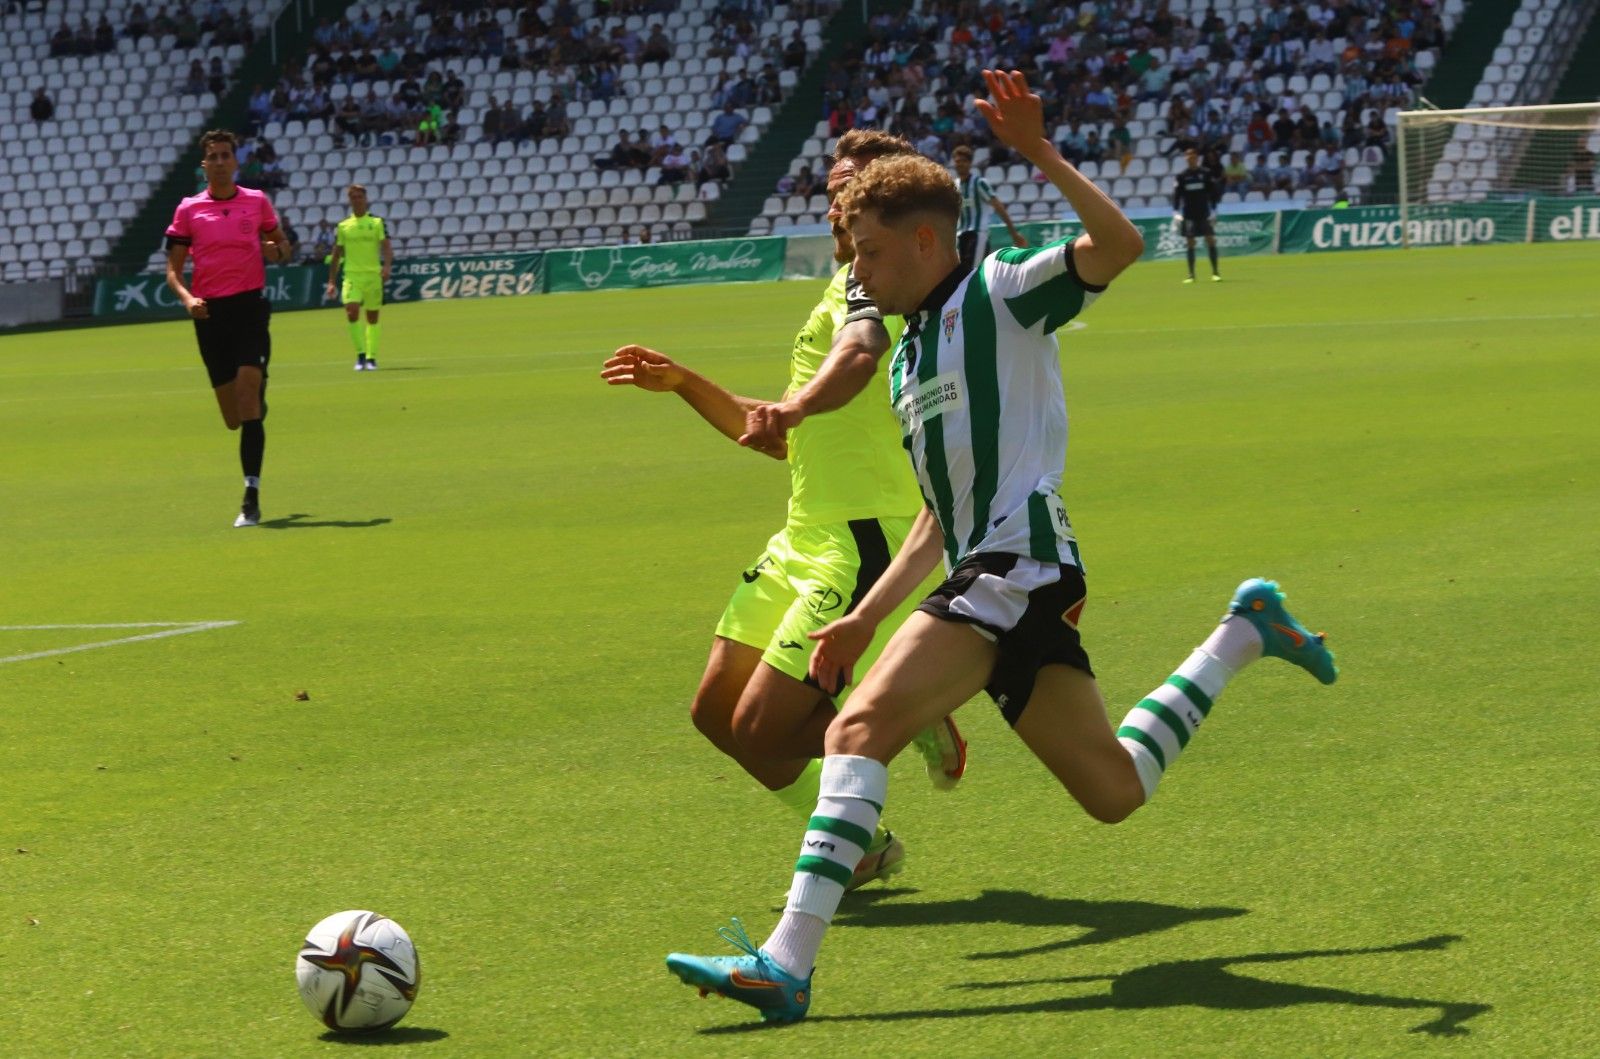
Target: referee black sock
x=1212 y=250
x=252 y=445
x=1191 y=260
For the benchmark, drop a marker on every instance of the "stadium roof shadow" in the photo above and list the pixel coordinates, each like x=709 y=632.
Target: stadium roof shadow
x=297 y=521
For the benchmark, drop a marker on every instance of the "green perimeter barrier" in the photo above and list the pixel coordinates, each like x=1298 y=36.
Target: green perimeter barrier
x=763 y=258
x=1559 y=220
x=661 y=264
x=1237 y=234
x=304 y=286
x=1379 y=227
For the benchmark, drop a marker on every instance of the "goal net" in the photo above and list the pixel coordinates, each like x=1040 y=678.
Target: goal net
x=1497 y=153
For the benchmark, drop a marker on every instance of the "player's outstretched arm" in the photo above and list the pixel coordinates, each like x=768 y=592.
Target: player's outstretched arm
x=850 y=365
x=841 y=644
x=650 y=370
x=1017 y=238
x=1110 y=242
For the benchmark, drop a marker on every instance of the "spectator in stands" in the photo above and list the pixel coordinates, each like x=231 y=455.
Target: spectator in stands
x=186 y=29
x=806 y=183
x=374 y=117
x=714 y=166
x=1235 y=175
x=725 y=127
x=521 y=129
x=1377 y=134
x=657 y=48
x=1320 y=55
x=662 y=142
x=43 y=108
x=367 y=68
x=1283 y=130
x=1072 y=142
x=794 y=53
x=216 y=77
x=556 y=123
x=1307 y=133
x=138 y=23
x=1093 y=149
x=105 y=36
x=1283 y=174
x=194 y=83
x=841 y=119
x=1329 y=169
x=1119 y=143
x=674 y=166
x=1261 y=174
x=430 y=126
x=1154 y=81
x=455 y=93
x=867 y=114
x=491 y=121
x=347 y=121
x=260 y=105
x=320 y=245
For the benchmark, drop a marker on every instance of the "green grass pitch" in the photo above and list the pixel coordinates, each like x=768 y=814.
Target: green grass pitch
x=496 y=580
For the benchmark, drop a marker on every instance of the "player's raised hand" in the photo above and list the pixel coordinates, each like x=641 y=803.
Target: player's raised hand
x=642 y=367
x=1015 y=114
x=840 y=645
x=767 y=426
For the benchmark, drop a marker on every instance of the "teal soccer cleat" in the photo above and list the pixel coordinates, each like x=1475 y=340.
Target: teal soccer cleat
x=750 y=979
x=1260 y=603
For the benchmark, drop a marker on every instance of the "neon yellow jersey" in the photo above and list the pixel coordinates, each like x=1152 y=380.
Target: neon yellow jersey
x=362 y=240
x=848 y=463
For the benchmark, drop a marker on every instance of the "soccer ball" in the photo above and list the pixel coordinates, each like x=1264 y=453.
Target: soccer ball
x=358 y=971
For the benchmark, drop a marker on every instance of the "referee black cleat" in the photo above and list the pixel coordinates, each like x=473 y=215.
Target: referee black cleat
x=249 y=515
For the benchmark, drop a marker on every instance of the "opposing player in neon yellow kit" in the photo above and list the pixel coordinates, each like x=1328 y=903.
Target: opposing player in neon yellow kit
x=852 y=502
x=361 y=242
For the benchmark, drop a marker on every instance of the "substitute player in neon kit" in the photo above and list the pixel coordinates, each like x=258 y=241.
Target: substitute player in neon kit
x=976 y=381
x=361 y=243
x=852 y=501
x=227 y=229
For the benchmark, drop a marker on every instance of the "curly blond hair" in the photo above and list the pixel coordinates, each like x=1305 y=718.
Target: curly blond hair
x=896 y=188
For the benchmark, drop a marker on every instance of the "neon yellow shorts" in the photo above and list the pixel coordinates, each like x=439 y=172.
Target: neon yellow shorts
x=363 y=287
x=808 y=577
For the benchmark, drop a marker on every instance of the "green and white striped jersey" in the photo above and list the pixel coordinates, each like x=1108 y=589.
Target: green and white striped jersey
x=976 y=382
x=976 y=194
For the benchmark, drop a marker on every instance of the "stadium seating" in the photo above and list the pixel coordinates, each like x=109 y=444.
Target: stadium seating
x=1143 y=180
x=477 y=195
x=69 y=184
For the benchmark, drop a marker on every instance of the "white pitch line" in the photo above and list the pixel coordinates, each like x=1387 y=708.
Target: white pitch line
x=170 y=628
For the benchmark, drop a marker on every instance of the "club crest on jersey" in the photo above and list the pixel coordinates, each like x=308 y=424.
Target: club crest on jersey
x=950 y=318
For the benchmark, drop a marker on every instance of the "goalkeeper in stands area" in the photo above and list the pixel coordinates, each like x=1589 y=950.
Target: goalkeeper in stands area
x=1195 y=194
x=361 y=243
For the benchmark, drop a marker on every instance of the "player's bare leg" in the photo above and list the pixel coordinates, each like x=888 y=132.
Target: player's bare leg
x=228 y=404
x=1066 y=727
x=249 y=410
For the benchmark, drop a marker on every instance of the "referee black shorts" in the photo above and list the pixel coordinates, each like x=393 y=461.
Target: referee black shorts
x=235 y=335
x=1197 y=228
x=1027 y=607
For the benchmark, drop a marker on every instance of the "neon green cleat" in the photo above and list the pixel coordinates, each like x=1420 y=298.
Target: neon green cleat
x=944 y=753
x=750 y=979
x=1261 y=604
x=883 y=858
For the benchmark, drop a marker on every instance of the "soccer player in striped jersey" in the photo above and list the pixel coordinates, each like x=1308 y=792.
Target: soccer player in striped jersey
x=227 y=229
x=976 y=380
x=852 y=501
x=977 y=196
x=361 y=242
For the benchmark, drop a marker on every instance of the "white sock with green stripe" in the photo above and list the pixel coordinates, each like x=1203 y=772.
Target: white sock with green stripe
x=1157 y=729
x=851 y=801
x=801 y=796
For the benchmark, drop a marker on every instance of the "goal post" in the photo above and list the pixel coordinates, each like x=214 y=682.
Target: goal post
x=1501 y=154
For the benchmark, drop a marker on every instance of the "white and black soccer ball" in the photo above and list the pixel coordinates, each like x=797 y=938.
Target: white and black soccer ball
x=358 y=971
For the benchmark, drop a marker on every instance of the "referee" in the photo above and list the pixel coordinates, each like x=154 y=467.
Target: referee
x=226 y=229
x=1194 y=194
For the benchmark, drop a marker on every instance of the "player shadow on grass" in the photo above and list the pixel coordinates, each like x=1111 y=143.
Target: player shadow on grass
x=1102 y=921
x=297 y=521
x=1206 y=983
x=396 y=1035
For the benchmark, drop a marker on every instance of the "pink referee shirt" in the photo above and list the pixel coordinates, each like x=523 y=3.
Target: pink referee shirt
x=224 y=238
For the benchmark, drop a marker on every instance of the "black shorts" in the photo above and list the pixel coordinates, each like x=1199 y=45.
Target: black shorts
x=235 y=335
x=967 y=245
x=1028 y=608
x=1197 y=229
